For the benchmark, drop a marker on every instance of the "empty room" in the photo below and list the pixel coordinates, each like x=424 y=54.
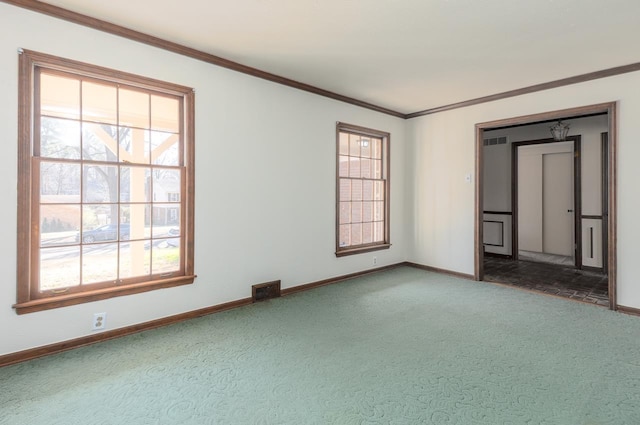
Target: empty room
x=320 y=212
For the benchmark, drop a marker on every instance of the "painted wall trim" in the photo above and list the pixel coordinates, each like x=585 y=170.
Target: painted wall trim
x=312 y=285
x=629 y=310
x=439 y=270
x=108 y=27
x=59 y=347
x=610 y=72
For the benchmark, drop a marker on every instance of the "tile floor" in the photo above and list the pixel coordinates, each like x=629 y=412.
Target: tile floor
x=554 y=279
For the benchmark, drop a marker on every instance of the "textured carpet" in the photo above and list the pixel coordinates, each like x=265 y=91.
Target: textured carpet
x=400 y=347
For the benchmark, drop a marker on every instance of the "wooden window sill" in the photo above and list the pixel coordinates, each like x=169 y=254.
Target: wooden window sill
x=362 y=249
x=100 y=294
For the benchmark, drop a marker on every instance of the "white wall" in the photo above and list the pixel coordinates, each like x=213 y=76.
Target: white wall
x=265 y=181
x=441 y=204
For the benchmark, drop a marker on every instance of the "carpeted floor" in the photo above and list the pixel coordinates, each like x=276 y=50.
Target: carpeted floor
x=404 y=346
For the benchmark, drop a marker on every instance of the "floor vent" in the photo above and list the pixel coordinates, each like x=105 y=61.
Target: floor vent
x=265 y=291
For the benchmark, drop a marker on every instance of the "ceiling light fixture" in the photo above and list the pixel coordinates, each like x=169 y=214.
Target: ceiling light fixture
x=559 y=131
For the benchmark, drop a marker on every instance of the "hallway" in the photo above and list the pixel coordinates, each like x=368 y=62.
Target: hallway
x=563 y=281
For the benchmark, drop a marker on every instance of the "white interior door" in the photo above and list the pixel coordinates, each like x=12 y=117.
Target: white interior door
x=545 y=198
x=557 y=203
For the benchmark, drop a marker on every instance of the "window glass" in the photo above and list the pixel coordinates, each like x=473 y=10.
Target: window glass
x=102 y=182
x=362 y=190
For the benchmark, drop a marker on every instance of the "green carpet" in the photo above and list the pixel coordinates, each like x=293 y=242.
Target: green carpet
x=399 y=347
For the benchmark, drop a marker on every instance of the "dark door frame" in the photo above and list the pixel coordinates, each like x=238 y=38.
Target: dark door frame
x=577 y=195
x=604 y=137
x=610 y=109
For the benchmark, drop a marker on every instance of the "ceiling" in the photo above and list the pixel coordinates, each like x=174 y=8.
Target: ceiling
x=404 y=55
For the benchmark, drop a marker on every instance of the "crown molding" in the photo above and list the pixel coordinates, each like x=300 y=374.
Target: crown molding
x=108 y=27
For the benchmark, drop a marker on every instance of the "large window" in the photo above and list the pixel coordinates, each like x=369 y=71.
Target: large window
x=105 y=183
x=362 y=190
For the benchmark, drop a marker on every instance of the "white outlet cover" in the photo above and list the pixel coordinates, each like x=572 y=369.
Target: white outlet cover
x=99 y=321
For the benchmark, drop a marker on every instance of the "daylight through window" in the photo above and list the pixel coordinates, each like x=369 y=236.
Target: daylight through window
x=107 y=165
x=362 y=190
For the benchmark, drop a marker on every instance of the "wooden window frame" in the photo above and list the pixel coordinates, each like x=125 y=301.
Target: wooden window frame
x=386 y=165
x=29 y=297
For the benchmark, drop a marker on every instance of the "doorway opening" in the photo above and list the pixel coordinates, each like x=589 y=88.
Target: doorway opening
x=545 y=210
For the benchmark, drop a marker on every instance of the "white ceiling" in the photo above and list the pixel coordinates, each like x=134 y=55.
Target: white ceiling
x=405 y=55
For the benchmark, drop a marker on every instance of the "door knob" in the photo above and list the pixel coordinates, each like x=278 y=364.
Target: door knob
x=569 y=210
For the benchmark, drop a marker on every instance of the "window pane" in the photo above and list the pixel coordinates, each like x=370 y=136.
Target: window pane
x=138 y=218
x=135 y=259
x=365 y=168
x=378 y=231
x=356 y=234
x=59 y=96
x=377 y=169
x=59 y=267
x=343 y=166
x=106 y=232
x=165 y=256
x=165 y=216
x=59 y=138
x=174 y=230
x=344 y=144
x=376 y=148
x=99 y=103
x=354 y=167
x=99 y=222
x=134 y=184
x=367 y=232
x=165 y=148
x=345 y=189
x=356 y=190
x=165 y=114
x=99 y=263
x=134 y=145
x=59 y=182
x=378 y=190
x=367 y=211
x=99 y=142
x=354 y=145
x=365 y=150
x=345 y=235
x=59 y=224
x=378 y=210
x=367 y=190
x=133 y=108
x=166 y=183
x=345 y=212
x=356 y=212
x=100 y=183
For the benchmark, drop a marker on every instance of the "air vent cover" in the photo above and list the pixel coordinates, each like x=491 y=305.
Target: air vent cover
x=495 y=141
x=265 y=291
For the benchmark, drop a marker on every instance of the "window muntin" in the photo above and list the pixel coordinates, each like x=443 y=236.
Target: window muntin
x=362 y=190
x=107 y=159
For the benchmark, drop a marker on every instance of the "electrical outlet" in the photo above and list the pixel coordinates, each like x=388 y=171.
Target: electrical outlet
x=375 y=260
x=99 y=321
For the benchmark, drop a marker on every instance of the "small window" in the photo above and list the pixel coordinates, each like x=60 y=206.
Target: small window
x=105 y=172
x=362 y=190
